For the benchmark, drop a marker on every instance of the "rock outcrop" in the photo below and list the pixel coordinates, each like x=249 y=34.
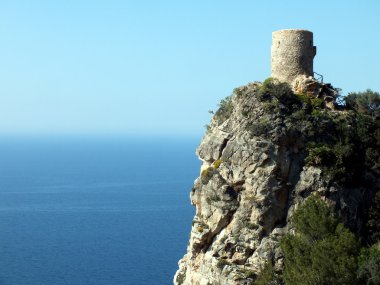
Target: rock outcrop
x=254 y=174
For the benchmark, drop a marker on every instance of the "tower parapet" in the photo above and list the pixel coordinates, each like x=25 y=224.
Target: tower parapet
x=292 y=54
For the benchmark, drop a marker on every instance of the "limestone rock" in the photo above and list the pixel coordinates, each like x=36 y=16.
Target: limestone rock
x=313 y=88
x=253 y=177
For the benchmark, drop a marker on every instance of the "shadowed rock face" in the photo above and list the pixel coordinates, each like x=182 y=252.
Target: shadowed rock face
x=253 y=176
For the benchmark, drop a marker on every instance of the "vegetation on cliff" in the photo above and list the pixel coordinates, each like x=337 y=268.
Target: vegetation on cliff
x=345 y=144
x=287 y=188
x=323 y=251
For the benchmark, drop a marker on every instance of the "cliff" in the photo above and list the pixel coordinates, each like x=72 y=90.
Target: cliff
x=265 y=151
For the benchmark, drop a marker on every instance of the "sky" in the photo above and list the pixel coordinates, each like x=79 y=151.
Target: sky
x=157 y=67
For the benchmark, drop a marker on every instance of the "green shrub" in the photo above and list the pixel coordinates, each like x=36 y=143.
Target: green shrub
x=268 y=276
x=320 y=155
x=238 y=91
x=222 y=262
x=217 y=163
x=299 y=115
x=303 y=98
x=322 y=251
x=251 y=226
x=317 y=103
x=317 y=114
x=373 y=223
x=309 y=102
x=279 y=90
x=314 y=219
x=249 y=274
x=225 y=110
x=367 y=102
x=245 y=112
x=261 y=127
x=369 y=265
x=336 y=160
x=271 y=106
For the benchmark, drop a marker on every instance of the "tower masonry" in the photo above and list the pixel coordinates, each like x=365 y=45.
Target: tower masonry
x=292 y=54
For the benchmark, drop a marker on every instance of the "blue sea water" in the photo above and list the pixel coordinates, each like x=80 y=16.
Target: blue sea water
x=94 y=211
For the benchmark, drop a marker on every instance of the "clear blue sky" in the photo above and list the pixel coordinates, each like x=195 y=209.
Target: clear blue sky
x=157 y=67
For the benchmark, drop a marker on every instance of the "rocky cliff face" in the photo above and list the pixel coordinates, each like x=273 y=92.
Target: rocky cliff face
x=257 y=167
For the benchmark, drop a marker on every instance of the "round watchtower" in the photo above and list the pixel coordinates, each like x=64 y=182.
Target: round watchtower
x=292 y=54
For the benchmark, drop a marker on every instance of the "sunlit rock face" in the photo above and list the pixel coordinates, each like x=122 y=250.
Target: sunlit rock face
x=253 y=176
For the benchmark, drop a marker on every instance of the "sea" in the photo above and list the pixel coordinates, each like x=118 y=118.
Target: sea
x=95 y=210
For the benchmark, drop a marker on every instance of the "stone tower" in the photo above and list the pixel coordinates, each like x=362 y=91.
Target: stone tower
x=292 y=54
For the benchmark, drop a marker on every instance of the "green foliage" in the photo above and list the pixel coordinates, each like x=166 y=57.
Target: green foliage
x=343 y=145
x=299 y=115
x=222 y=262
x=319 y=154
x=225 y=110
x=303 y=98
x=317 y=103
x=319 y=115
x=298 y=265
x=333 y=159
x=346 y=147
x=367 y=102
x=322 y=251
x=314 y=219
x=268 y=81
x=268 y=276
x=271 y=106
x=261 y=127
x=251 y=226
x=369 y=265
x=249 y=274
x=217 y=163
x=245 y=113
x=334 y=258
x=278 y=96
x=279 y=90
x=373 y=222
x=310 y=102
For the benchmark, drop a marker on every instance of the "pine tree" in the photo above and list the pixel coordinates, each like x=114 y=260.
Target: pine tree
x=322 y=251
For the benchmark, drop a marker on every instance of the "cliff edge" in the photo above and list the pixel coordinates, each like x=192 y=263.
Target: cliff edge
x=265 y=151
